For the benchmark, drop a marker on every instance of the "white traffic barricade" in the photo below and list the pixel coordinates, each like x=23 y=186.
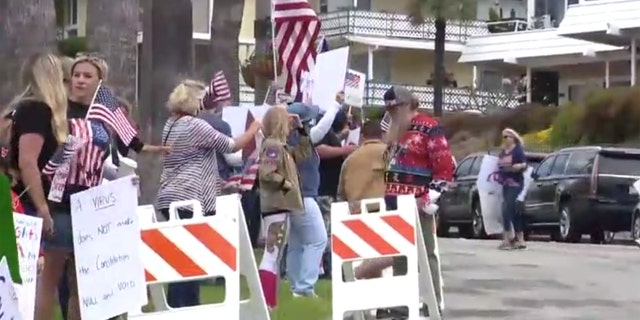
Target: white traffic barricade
x=201 y=248
x=375 y=235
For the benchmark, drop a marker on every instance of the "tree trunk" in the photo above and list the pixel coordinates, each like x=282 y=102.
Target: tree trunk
x=438 y=66
x=263 y=41
x=26 y=27
x=167 y=59
x=112 y=30
x=226 y=22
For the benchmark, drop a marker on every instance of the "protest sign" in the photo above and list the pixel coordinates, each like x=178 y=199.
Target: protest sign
x=28 y=235
x=490 y=195
x=106 y=236
x=328 y=76
x=8 y=298
x=354 y=87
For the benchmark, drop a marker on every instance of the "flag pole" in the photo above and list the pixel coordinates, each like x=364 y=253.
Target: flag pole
x=273 y=54
x=95 y=94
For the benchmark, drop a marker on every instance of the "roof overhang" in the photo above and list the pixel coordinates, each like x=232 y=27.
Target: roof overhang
x=536 y=47
x=612 y=22
x=405 y=44
x=586 y=57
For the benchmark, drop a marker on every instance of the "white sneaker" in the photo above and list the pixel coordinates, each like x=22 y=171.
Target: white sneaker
x=311 y=294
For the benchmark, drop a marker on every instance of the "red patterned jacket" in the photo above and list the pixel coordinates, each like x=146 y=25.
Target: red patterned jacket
x=421 y=160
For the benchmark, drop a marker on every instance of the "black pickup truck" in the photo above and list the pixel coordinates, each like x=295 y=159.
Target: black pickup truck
x=584 y=190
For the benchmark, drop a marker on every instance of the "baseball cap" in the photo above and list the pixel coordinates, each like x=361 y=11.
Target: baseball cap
x=396 y=96
x=306 y=112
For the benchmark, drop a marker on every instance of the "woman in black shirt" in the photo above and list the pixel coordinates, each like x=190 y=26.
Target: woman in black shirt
x=39 y=126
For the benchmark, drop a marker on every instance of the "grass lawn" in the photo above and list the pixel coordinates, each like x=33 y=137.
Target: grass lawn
x=289 y=308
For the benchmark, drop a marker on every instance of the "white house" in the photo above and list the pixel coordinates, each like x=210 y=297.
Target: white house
x=564 y=51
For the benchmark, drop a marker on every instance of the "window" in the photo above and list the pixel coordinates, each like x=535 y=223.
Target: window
x=464 y=167
x=364 y=5
x=475 y=168
x=560 y=164
x=581 y=163
x=628 y=165
x=71 y=19
x=491 y=81
x=324 y=6
x=201 y=16
x=545 y=167
x=571 y=2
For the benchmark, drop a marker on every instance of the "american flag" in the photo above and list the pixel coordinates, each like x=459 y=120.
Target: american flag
x=352 y=80
x=63 y=155
x=218 y=90
x=296 y=31
x=105 y=108
x=245 y=180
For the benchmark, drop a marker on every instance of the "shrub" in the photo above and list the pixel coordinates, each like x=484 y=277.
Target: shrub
x=71 y=46
x=538 y=141
x=465 y=143
x=610 y=116
x=566 y=126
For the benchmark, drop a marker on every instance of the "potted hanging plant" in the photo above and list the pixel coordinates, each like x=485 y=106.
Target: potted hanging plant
x=259 y=65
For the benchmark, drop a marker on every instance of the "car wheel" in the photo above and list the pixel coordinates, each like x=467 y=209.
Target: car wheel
x=442 y=229
x=635 y=226
x=566 y=232
x=477 y=222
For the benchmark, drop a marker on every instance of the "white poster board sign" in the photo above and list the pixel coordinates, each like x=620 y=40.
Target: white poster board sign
x=9 y=308
x=28 y=236
x=354 y=87
x=353 y=137
x=106 y=236
x=490 y=194
x=328 y=76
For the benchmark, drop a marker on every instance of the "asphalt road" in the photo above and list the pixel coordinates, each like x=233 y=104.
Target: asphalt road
x=550 y=281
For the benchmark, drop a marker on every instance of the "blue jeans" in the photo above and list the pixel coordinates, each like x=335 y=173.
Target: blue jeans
x=510 y=214
x=183 y=294
x=307 y=239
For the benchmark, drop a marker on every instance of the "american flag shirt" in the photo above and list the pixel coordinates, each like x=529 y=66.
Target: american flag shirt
x=421 y=160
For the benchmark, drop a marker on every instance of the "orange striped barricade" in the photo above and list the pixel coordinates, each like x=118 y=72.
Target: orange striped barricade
x=202 y=248
x=376 y=235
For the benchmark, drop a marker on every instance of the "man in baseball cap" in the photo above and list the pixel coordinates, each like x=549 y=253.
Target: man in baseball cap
x=420 y=163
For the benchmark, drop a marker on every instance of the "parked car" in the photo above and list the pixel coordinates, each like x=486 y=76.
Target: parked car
x=584 y=190
x=460 y=206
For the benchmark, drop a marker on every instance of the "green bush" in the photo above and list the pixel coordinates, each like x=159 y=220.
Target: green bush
x=610 y=116
x=71 y=46
x=565 y=130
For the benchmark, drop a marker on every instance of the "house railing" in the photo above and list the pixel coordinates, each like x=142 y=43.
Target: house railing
x=454 y=99
x=394 y=25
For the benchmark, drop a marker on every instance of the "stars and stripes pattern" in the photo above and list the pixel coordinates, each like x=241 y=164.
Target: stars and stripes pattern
x=86 y=167
x=63 y=155
x=296 y=30
x=352 y=80
x=217 y=91
x=106 y=109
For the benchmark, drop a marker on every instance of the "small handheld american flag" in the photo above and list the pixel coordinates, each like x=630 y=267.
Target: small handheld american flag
x=105 y=108
x=352 y=80
x=63 y=155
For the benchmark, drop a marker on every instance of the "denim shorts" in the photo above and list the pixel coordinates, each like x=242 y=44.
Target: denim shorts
x=62 y=238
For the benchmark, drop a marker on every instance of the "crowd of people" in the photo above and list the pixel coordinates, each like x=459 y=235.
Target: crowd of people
x=303 y=165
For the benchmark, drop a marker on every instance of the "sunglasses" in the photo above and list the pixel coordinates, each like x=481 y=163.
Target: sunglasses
x=506 y=137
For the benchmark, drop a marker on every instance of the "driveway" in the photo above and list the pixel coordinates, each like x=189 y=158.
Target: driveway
x=551 y=281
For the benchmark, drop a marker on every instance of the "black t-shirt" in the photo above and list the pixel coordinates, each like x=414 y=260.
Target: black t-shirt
x=32 y=117
x=330 y=168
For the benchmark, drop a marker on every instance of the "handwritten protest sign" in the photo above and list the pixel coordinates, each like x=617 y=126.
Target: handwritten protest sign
x=8 y=298
x=106 y=235
x=28 y=231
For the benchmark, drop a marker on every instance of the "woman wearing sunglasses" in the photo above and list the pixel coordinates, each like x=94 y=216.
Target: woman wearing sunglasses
x=511 y=164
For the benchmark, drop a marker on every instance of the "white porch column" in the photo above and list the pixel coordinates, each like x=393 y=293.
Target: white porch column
x=531 y=10
x=528 y=89
x=474 y=84
x=370 y=50
x=634 y=58
x=607 y=74
x=355 y=4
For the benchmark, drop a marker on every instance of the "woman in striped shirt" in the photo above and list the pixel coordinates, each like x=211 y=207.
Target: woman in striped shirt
x=190 y=170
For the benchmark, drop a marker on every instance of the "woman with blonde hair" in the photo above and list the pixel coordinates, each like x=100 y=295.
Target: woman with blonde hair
x=279 y=191
x=190 y=170
x=39 y=127
x=511 y=164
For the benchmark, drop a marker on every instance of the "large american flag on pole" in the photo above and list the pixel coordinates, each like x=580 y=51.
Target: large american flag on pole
x=105 y=108
x=296 y=31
